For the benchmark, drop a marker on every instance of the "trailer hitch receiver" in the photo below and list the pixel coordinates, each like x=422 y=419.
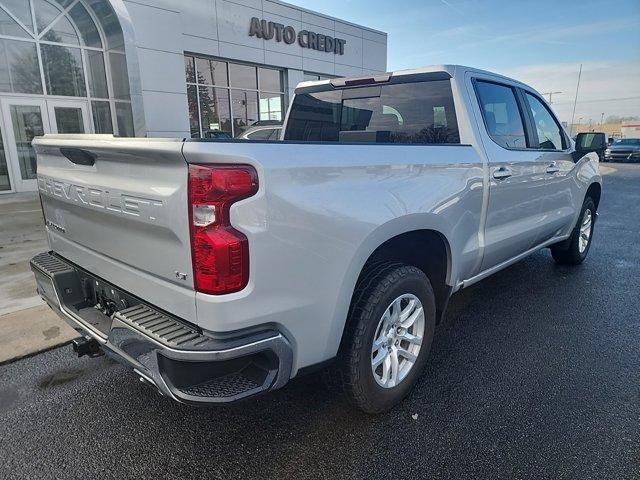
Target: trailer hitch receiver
x=87 y=346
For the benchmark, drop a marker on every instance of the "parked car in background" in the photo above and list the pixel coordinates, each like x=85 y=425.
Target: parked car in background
x=219 y=270
x=624 y=150
x=261 y=133
x=217 y=134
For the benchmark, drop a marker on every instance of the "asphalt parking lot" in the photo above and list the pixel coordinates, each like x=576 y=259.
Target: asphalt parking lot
x=535 y=374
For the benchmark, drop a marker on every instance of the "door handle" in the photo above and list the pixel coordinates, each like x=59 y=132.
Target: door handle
x=553 y=168
x=502 y=173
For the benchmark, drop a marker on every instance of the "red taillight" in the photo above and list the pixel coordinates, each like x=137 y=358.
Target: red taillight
x=220 y=254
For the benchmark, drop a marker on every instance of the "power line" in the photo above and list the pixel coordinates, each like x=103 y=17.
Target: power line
x=575 y=100
x=603 y=100
x=551 y=94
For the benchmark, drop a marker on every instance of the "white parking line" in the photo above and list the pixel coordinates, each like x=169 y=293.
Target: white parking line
x=20 y=211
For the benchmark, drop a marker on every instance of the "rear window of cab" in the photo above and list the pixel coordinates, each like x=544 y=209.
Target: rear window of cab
x=407 y=113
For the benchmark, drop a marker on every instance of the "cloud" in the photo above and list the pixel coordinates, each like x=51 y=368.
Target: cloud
x=559 y=34
x=609 y=87
x=452 y=7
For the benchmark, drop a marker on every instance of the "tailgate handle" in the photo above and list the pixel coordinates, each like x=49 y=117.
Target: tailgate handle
x=79 y=156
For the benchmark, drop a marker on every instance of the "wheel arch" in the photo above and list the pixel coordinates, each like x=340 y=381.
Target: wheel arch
x=426 y=249
x=391 y=243
x=595 y=192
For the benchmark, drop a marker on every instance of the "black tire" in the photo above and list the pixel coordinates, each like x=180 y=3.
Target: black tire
x=378 y=287
x=568 y=252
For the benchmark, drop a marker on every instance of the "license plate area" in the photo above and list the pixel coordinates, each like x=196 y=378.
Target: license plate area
x=89 y=299
x=99 y=301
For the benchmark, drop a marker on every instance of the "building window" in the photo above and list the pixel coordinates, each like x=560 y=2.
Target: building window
x=67 y=48
x=226 y=98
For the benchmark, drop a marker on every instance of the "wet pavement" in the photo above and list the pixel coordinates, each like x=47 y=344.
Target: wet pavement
x=534 y=374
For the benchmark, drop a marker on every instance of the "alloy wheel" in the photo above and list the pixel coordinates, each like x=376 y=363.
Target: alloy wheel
x=397 y=340
x=585 y=231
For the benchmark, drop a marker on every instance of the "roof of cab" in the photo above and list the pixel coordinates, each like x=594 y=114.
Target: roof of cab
x=450 y=70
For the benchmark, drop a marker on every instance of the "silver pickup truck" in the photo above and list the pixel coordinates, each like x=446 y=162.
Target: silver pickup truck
x=221 y=269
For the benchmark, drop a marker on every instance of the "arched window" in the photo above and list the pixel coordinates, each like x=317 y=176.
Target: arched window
x=67 y=48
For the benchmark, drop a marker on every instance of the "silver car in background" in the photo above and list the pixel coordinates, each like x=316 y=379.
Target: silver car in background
x=624 y=150
x=266 y=132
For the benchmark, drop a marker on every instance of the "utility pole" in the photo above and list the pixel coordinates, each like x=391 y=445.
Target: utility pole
x=575 y=101
x=602 y=118
x=551 y=94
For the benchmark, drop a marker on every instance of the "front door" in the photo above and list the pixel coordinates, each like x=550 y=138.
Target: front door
x=6 y=185
x=555 y=155
x=23 y=120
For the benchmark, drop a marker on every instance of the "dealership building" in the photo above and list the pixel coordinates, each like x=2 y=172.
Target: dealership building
x=162 y=68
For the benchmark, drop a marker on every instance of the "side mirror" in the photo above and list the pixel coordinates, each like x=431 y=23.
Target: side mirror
x=590 y=142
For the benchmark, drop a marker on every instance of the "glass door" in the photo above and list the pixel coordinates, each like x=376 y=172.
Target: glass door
x=68 y=116
x=6 y=185
x=24 y=119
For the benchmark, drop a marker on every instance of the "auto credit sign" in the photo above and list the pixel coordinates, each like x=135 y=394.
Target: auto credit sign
x=287 y=34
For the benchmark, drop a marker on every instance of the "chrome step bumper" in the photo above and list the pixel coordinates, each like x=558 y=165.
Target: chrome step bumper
x=180 y=360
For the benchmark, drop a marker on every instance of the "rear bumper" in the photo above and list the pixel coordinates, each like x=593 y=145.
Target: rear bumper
x=181 y=361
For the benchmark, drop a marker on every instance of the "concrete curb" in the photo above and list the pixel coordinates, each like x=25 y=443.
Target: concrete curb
x=30 y=331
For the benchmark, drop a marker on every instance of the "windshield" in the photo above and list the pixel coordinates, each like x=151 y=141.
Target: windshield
x=628 y=141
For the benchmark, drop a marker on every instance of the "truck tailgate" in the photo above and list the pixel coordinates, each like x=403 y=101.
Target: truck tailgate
x=118 y=208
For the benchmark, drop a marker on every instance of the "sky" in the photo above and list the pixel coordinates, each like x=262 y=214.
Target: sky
x=541 y=43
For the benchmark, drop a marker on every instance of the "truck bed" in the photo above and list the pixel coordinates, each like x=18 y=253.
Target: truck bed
x=311 y=226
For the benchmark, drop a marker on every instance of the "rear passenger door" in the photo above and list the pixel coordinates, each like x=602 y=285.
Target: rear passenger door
x=516 y=176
